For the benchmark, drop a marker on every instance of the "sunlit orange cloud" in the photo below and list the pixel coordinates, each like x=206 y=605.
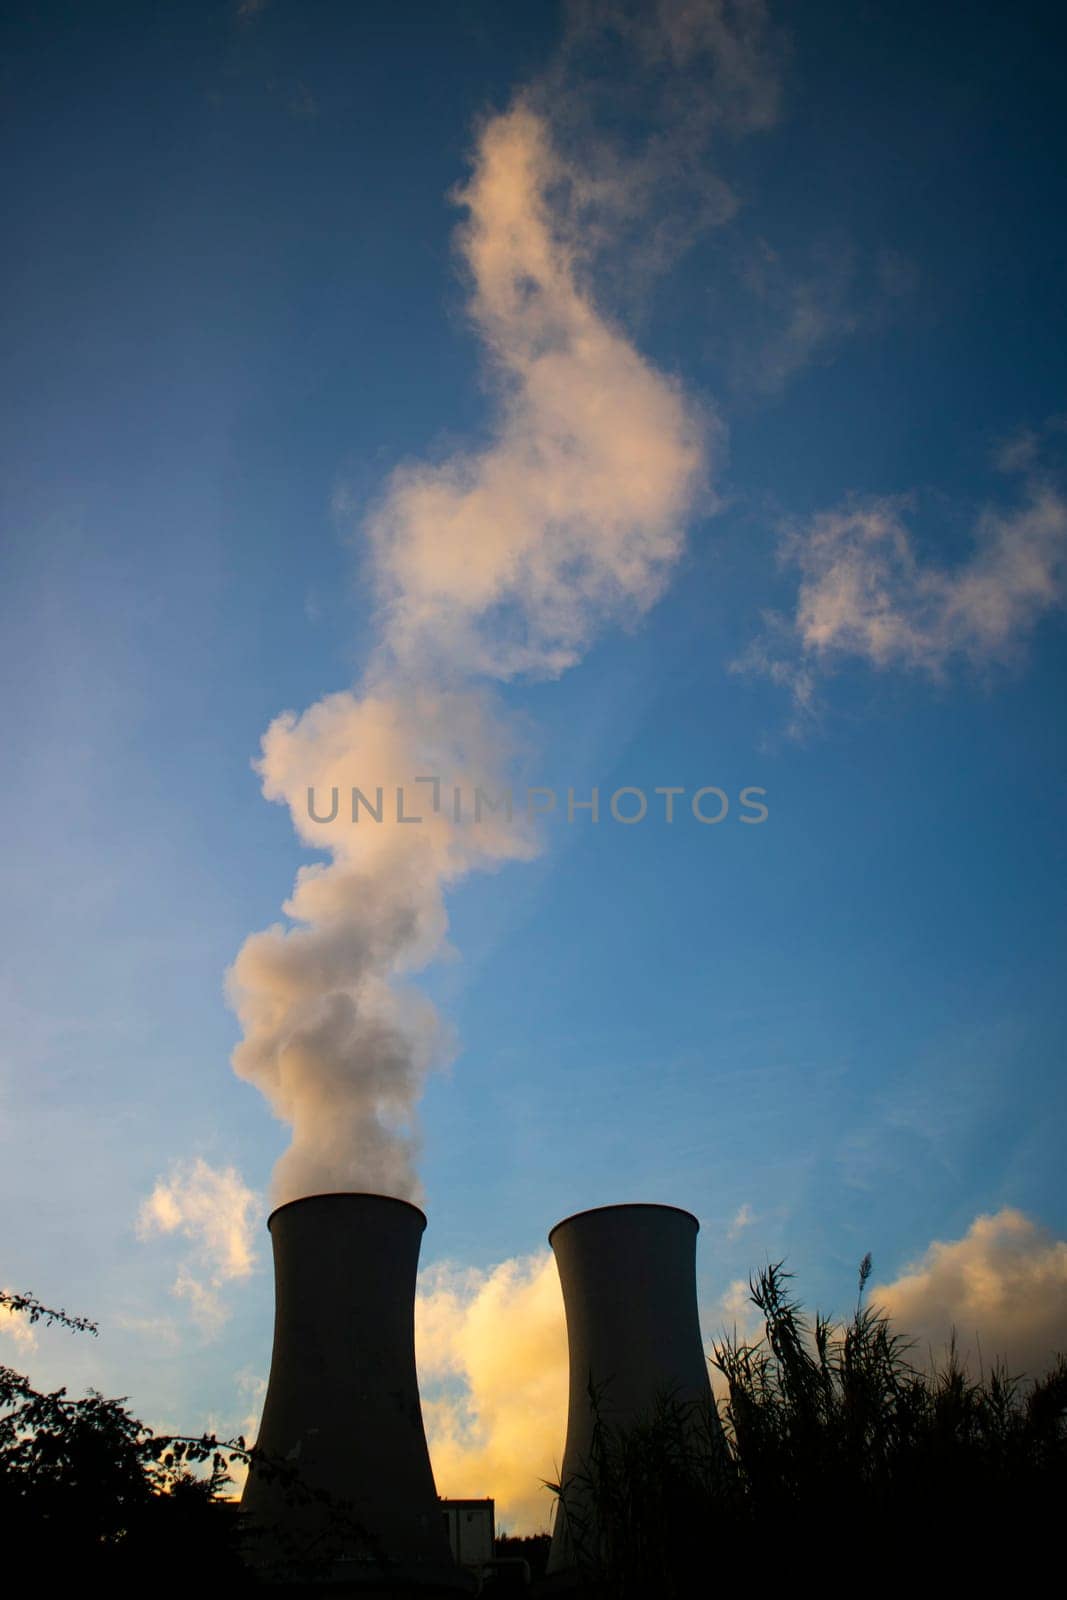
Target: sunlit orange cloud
x=1002 y=1288
x=492 y=1357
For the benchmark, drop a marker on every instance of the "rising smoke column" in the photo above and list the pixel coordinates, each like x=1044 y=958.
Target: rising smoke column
x=500 y=561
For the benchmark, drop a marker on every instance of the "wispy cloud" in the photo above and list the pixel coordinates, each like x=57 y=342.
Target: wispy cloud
x=743 y=1218
x=215 y=1211
x=692 y=75
x=866 y=593
x=731 y=48
x=686 y=79
x=803 y=312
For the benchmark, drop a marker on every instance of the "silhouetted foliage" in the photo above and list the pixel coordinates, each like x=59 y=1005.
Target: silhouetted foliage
x=32 y=1309
x=636 y=1513
x=836 y=1454
x=88 y=1491
x=837 y=1449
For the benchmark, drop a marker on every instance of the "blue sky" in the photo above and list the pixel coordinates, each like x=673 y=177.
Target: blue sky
x=233 y=300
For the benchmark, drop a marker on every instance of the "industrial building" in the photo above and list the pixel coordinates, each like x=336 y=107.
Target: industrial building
x=341 y=1495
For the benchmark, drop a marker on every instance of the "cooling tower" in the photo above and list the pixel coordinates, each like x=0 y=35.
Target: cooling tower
x=629 y=1288
x=342 y=1411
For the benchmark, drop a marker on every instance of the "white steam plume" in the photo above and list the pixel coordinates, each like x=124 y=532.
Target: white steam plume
x=499 y=561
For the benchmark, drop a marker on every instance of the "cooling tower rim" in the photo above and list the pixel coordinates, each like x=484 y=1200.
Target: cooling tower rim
x=623 y=1205
x=346 y=1194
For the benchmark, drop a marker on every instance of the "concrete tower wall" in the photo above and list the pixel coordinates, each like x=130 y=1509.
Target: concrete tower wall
x=342 y=1404
x=629 y=1288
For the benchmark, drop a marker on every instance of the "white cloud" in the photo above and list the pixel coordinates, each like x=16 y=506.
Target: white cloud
x=743 y=1218
x=1002 y=1287
x=157 y=1331
x=687 y=72
x=215 y=1211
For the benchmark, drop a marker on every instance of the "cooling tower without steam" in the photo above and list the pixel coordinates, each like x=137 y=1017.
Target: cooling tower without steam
x=342 y=1405
x=629 y=1289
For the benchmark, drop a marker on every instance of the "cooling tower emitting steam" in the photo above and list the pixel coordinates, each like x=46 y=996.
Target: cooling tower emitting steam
x=500 y=561
x=628 y=1274
x=342 y=1405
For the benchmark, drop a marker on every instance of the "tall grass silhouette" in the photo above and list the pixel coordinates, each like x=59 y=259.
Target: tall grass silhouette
x=843 y=1458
